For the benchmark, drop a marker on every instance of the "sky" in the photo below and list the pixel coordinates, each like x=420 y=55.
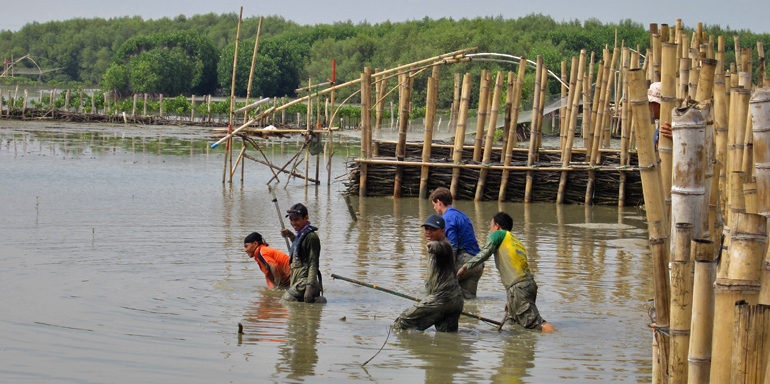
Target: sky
x=737 y=14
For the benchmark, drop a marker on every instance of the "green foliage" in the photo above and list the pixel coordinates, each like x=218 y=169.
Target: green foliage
x=170 y=63
x=276 y=72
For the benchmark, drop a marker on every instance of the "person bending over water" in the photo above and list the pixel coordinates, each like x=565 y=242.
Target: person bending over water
x=511 y=261
x=444 y=303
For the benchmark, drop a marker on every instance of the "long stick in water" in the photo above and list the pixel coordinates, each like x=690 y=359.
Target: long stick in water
x=278 y=211
x=335 y=276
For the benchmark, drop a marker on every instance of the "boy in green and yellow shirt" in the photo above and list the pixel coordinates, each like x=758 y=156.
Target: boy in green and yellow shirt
x=511 y=261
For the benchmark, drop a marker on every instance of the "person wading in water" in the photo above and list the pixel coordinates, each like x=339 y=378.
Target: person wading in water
x=306 y=284
x=444 y=303
x=273 y=263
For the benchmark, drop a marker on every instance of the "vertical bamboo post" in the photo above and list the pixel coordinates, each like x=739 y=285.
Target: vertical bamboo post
x=144 y=105
x=656 y=57
x=516 y=106
x=541 y=109
x=491 y=126
x=625 y=127
x=381 y=103
x=455 y=103
x=760 y=112
x=24 y=104
x=533 y=131
x=482 y=113
x=736 y=133
x=761 y=71
x=587 y=108
x=160 y=104
x=607 y=114
x=681 y=303
x=67 y=101
x=509 y=89
x=430 y=118
x=462 y=122
x=656 y=214
x=229 y=146
x=403 y=125
x=576 y=84
x=603 y=112
x=668 y=102
x=720 y=136
x=563 y=111
x=133 y=106
x=251 y=70
x=366 y=85
x=702 y=321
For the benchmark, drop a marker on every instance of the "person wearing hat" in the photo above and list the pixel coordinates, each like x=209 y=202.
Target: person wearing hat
x=460 y=233
x=305 y=284
x=444 y=303
x=654 y=97
x=273 y=263
x=511 y=262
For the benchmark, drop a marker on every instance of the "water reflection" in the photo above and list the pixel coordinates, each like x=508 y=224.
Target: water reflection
x=444 y=355
x=299 y=355
x=517 y=357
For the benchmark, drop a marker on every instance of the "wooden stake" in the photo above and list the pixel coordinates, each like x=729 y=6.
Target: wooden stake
x=491 y=127
x=366 y=85
x=403 y=125
x=430 y=118
x=533 y=130
x=462 y=121
x=482 y=113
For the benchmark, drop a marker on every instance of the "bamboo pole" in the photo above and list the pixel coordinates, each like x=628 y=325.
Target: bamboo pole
x=430 y=117
x=684 y=78
x=689 y=150
x=403 y=126
x=656 y=214
x=482 y=113
x=656 y=57
x=381 y=102
x=491 y=127
x=585 y=128
x=533 y=130
x=228 y=147
x=559 y=168
x=748 y=237
x=251 y=71
x=516 y=106
x=737 y=132
x=462 y=122
x=608 y=113
x=563 y=111
x=667 y=104
x=750 y=345
x=681 y=303
x=720 y=136
x=702 y=321
x=365 y=126
x=576 y=83
x=625 y=127
x=760 y=110
x=603 y=112
x=541 y=117
x=589 y=126
x=761 y=71
x=455 y=102
x=509 y=90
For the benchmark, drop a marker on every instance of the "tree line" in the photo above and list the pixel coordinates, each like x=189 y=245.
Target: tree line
x=194 y=55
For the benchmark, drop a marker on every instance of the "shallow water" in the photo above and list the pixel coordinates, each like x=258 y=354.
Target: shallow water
x=122 y=261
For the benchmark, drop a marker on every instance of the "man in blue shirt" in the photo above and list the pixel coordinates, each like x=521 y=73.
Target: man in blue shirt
x=459 y=232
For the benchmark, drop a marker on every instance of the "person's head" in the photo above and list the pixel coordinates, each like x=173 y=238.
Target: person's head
x=434 y=228
x=297 y=215
x=501 y=222
x=441 y=199
x=252 y=242
x=655 y=98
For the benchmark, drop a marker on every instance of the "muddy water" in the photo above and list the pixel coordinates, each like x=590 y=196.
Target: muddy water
x=121 y=261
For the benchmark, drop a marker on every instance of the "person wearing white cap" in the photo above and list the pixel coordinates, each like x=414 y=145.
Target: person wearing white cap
x=654 y=97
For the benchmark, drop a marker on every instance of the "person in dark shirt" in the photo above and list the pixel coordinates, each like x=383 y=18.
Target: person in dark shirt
x=305 y=283
x=444 y=303
x=459 y=232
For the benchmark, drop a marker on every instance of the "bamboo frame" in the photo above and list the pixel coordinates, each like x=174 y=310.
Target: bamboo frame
x=511 y=144
x=228 y=147
x=462 y=122
x=625 y=127
x=491 y=126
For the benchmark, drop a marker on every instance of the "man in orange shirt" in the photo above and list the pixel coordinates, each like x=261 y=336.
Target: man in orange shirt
x=273 y=263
